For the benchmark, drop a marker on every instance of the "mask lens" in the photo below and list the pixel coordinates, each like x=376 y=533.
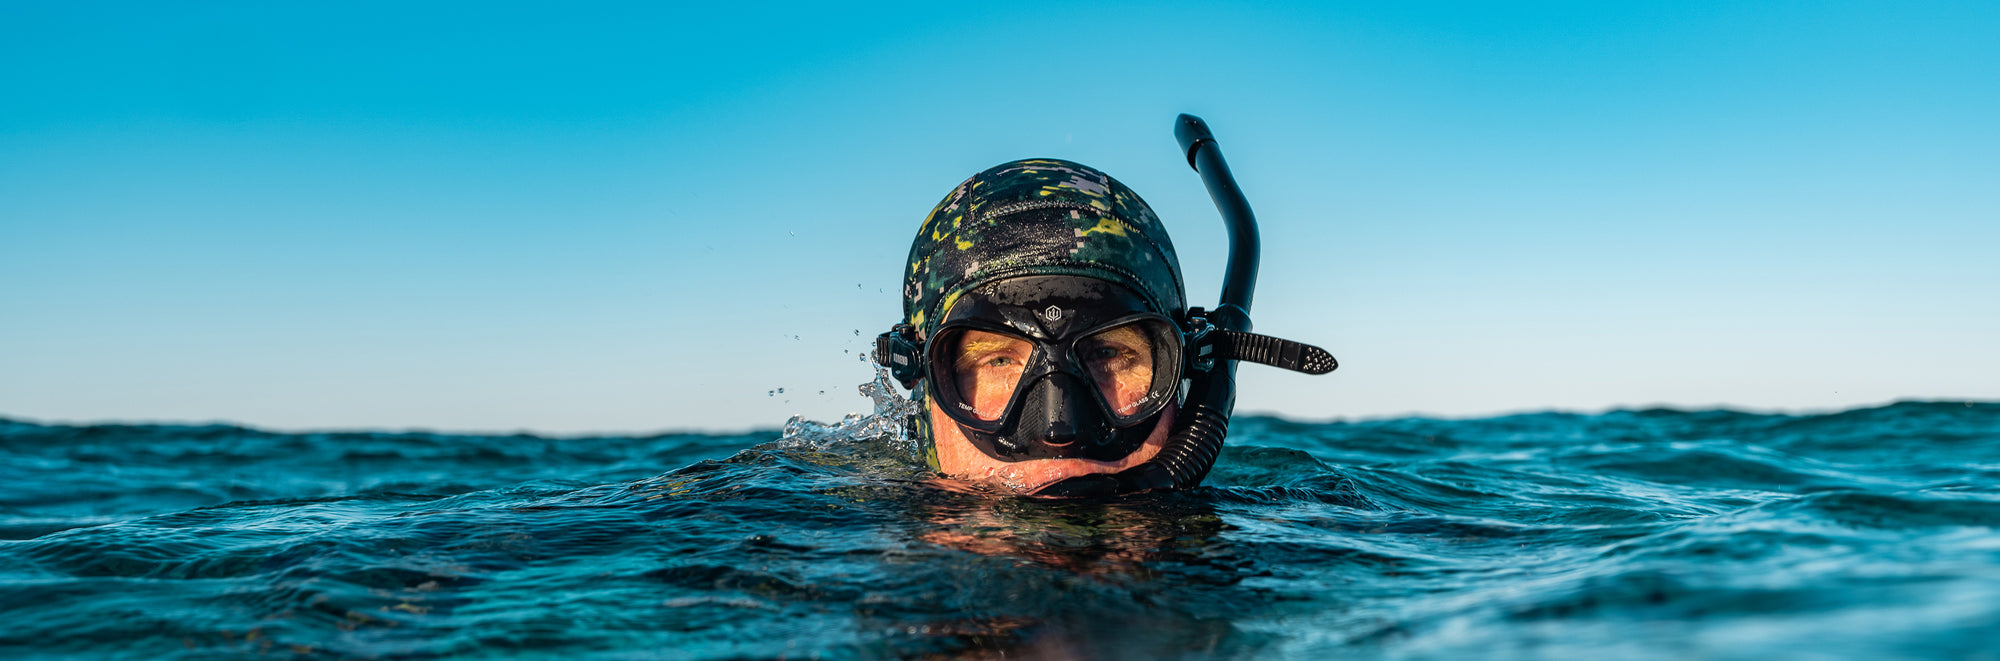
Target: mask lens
x=1132 y=369
x=1131 y=366
x=981 y=371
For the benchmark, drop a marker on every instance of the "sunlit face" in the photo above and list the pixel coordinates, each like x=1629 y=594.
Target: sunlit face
x=958 y=458
x=1120 y=361
x=988 y=368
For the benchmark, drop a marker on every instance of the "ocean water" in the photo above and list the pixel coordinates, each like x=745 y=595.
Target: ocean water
x=1648 y=534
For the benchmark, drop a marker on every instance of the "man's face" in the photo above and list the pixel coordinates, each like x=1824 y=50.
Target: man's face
x=988 y=369
x=988 y=365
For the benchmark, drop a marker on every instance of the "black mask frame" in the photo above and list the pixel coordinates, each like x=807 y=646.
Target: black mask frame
x=1052 y=356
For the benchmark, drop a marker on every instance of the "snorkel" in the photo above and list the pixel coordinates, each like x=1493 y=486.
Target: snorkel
x=1023 y=287
x=1224 y=338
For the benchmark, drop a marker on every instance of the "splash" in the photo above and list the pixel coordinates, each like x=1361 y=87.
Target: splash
x=888 y=424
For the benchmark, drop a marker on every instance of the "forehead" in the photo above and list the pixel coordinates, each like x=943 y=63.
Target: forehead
x=980 y=341
x=1030 y=290
x=1046 y=307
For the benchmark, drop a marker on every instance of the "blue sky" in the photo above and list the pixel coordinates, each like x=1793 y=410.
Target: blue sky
x=623 y=217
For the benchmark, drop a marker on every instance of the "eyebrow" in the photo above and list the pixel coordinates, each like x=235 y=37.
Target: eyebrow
x=968 y=349
x=1126 y=334
x=987 y=345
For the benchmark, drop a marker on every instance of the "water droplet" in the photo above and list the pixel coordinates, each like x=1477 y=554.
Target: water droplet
x=781 y=391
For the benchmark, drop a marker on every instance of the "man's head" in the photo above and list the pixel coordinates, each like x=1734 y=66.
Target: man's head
x=1044 y=294
x=1047 y=332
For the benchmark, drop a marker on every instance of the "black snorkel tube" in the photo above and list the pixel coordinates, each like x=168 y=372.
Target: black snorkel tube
x=1239 y=280
x=1217 y=339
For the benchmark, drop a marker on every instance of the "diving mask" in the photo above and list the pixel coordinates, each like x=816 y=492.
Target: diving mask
x=1054 y=366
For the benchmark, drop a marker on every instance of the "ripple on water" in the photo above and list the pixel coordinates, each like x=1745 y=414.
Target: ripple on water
x=1648 y=534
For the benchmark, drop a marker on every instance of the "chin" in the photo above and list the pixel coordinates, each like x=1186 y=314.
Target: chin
x=959 y=459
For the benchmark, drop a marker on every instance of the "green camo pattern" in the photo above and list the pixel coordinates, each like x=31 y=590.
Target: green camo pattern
x=1038 y=217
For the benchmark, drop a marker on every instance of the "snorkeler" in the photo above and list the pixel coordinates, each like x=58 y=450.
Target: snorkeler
x=1048 y=339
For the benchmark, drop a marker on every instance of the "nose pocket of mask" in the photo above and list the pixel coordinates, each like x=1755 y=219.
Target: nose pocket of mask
x=1056 y=413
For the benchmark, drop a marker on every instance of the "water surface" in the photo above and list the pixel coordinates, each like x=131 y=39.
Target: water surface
x=1632 y=534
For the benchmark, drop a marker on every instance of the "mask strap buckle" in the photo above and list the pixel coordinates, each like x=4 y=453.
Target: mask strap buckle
x=1195 y=330
x=901 y=352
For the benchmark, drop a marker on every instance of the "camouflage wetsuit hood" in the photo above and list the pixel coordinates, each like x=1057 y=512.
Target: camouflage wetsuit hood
x=1037 y=217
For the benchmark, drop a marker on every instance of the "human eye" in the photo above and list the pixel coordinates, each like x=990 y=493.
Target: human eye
x=1116 y=350
x=1105 y=352
x=988 y=351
